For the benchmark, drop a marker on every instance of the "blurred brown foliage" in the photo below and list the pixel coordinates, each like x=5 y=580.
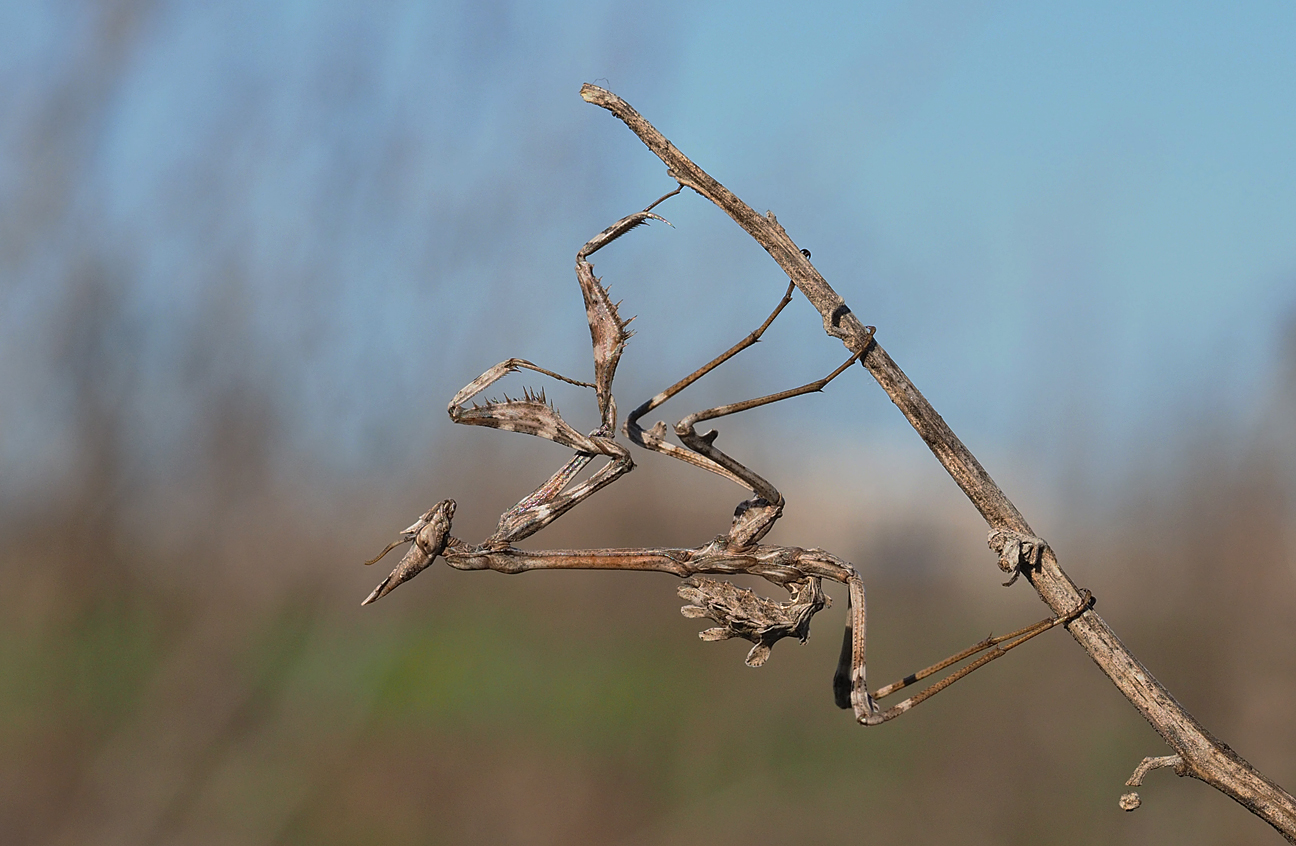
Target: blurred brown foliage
x=189 y=664
x=183 y=658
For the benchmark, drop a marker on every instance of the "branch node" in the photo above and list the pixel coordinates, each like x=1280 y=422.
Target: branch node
x=1017 y=552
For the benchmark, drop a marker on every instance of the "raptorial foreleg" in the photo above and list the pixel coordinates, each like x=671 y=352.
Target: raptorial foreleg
x=608 y=332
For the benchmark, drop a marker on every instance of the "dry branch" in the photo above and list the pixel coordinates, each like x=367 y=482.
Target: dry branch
x=1203 y=756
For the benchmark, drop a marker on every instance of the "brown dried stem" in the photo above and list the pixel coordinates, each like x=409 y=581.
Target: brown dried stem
x=1204 y=757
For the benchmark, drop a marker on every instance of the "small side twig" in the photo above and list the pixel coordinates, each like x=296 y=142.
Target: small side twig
x=1130 y=801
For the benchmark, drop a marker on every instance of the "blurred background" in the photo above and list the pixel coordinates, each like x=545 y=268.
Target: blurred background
x=248 y=251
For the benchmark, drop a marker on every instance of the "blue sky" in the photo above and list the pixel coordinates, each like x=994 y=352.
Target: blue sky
x=1071 y=222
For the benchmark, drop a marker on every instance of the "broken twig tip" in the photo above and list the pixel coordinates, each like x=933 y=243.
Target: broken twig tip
x=1130 y=801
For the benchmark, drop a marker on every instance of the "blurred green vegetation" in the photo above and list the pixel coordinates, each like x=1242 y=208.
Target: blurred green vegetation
x=580 y=708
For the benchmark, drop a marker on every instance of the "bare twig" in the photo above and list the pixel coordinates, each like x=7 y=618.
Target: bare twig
x=1130 y=801
x=1203 y=756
